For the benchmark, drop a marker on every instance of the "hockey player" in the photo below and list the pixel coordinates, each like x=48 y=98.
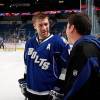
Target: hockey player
x=42 y=70
x=1 y=43
x=83 y=74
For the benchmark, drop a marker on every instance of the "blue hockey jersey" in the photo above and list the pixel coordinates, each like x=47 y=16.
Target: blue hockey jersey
x=42 y=70
x=83 y=76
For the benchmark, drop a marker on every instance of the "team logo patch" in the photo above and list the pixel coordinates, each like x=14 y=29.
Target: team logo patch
x=75 y=72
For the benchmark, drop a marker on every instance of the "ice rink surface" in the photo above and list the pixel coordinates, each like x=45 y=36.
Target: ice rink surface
x=11 y=69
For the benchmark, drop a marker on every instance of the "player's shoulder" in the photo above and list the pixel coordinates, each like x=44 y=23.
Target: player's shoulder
x=59 y=38
x=30 y=40
x=56 y=36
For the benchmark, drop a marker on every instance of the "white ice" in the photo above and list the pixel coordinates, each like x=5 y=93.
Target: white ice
x=11 y=69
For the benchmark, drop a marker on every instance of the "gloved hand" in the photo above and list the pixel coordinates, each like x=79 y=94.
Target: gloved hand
x=22 y=85
x=56 y=94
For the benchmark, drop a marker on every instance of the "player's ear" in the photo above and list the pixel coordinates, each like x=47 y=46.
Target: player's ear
x=72 y=28
x=34 y=25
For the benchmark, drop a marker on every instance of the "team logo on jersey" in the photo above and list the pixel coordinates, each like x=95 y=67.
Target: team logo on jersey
x=43 y=63
x=30 y=50
x=48 y=46
x=75 y=72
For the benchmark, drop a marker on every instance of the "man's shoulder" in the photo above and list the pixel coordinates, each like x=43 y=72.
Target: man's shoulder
x=59 y=38
x=56 y=36
x=91 y=49
x=31 y=40
x=88 y=48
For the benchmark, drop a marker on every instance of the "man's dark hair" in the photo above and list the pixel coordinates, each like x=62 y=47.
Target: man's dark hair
x=82 y=23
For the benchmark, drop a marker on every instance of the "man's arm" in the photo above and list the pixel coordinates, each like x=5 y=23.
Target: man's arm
x=80 y=69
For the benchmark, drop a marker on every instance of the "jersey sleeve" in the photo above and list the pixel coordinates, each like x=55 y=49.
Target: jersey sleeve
x=61 y=51
x=25 y=52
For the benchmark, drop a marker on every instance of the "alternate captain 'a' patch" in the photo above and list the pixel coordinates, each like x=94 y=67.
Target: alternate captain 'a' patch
x=48 y=46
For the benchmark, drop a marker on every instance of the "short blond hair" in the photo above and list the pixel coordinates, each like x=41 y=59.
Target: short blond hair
x=39 y=15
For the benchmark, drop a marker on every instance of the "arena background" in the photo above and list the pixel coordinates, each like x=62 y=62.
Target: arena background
x=16 y=27
x=15 y=18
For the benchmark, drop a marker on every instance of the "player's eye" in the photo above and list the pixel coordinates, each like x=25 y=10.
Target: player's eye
x=45 y=24
x=40 y=25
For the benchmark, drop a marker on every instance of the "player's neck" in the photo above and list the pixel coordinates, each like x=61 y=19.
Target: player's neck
x=40 y=39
